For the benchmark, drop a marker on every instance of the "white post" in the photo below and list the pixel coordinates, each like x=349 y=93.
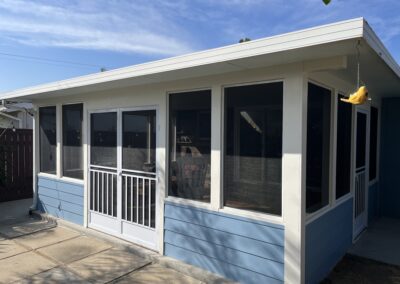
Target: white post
x=35 y=158
x=293 y=174
x=85 y=134
x=59 y=140
x=216 y=147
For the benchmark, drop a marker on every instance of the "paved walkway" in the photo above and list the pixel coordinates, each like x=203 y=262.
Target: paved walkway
x=380 y=242
x=33 y=250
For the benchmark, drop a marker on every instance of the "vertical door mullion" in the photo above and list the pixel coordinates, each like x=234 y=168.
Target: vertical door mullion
x=119 y=169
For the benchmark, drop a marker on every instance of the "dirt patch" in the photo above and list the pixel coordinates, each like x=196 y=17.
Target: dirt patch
x=353 y=269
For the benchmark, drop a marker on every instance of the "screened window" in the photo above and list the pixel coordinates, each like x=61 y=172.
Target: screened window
x=190 y=145
x=253 y=147
x=47 y=137
x=72 y=116
x=318 y=147
x=139 y=140
x=343 y=151
x=103 y=139
x=373 y=148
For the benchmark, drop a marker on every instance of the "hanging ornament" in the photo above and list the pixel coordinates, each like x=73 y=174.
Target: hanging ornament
x=360 y=96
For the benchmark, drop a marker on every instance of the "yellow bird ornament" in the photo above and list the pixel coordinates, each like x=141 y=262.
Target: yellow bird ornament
x=359 y=97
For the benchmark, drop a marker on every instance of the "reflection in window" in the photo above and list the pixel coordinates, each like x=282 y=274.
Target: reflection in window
x=190 y=145
x=253 y=147
x=72 y=141
x=47 y=136
x=139 y=140
x=343 y=156
x=318 y=151
x=103 y=139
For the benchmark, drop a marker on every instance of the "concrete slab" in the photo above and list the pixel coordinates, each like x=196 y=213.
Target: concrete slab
x=108 y=265
x=157 y=274
x=14 y=211
x=22 y=266
x=381 y=242
x=47 y=237
x=74 y=249
x=10 y=248
x=54 y=276
x=29 y=226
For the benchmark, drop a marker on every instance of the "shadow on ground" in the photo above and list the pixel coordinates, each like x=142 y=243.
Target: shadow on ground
x=354 y=269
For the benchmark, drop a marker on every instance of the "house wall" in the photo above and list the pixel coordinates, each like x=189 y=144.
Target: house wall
x=389 y=158
x=266 y=264
x=373 y=202
x=60 y=198
x=327 y=240
x=241 y=249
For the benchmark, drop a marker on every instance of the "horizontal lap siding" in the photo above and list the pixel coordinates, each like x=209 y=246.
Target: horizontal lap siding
x=61 y=199
x=238 y=248
x=327 y=240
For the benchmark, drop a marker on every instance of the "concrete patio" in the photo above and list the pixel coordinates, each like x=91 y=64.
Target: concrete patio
x=36 y=250
x=380 y=242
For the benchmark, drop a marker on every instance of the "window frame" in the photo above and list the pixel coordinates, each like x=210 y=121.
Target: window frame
x=39 y=172
x=61 y=174
x=177 y=199
x=352 y=150
x=332 y=201
x=261 y=216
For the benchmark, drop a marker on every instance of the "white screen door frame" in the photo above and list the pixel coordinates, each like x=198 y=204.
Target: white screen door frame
x=361 y=169
x=123 y=202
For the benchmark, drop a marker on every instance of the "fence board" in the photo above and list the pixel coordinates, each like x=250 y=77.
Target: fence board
x=16 y=162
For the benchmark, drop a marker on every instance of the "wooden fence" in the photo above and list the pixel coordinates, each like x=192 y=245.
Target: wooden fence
x=15 y=164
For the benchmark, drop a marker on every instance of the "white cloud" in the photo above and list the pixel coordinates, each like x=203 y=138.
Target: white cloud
x=121 y=26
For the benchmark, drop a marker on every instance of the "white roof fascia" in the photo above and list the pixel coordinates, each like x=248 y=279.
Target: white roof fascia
x=376 y=44
x=299 y=39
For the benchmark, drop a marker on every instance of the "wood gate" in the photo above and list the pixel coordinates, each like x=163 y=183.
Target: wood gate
x=15 y=164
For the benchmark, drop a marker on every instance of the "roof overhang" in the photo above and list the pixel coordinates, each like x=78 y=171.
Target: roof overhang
x=328 y=41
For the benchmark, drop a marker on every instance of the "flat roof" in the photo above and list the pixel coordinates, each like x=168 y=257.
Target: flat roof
x=224 y=59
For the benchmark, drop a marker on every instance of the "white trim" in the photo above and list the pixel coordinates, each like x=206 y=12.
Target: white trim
x=335 y=32
x=327 y=209
x=47 y=175
x=257 y=216
x=189 y=202
x=245 y=213
x=332 y=151
x=217 y=138
x=72 y=180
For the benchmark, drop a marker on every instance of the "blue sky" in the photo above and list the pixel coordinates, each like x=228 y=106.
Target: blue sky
x=118 y=33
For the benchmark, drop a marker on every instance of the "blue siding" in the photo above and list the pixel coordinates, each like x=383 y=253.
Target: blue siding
x=327 y=240
x=61 y=199
x=389 y=180
x=238 y=248
x=373 y=202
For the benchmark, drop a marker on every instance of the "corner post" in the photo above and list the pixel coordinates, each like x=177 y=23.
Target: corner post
x=293 y=173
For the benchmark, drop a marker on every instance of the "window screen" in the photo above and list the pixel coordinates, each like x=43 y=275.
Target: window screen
x=343 y=152
x=103 y=139
x=373 y=148
x=318 y=147
x=190 y=145
x=47 y=137
x=253 y=147
x=72 y=116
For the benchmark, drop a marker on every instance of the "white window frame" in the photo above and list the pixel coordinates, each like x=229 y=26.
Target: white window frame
x=61 y=174
x=276 y=219
x=39 y=172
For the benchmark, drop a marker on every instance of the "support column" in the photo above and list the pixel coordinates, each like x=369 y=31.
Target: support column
x=35 y=158
x=293 y=174
x=216 y=146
